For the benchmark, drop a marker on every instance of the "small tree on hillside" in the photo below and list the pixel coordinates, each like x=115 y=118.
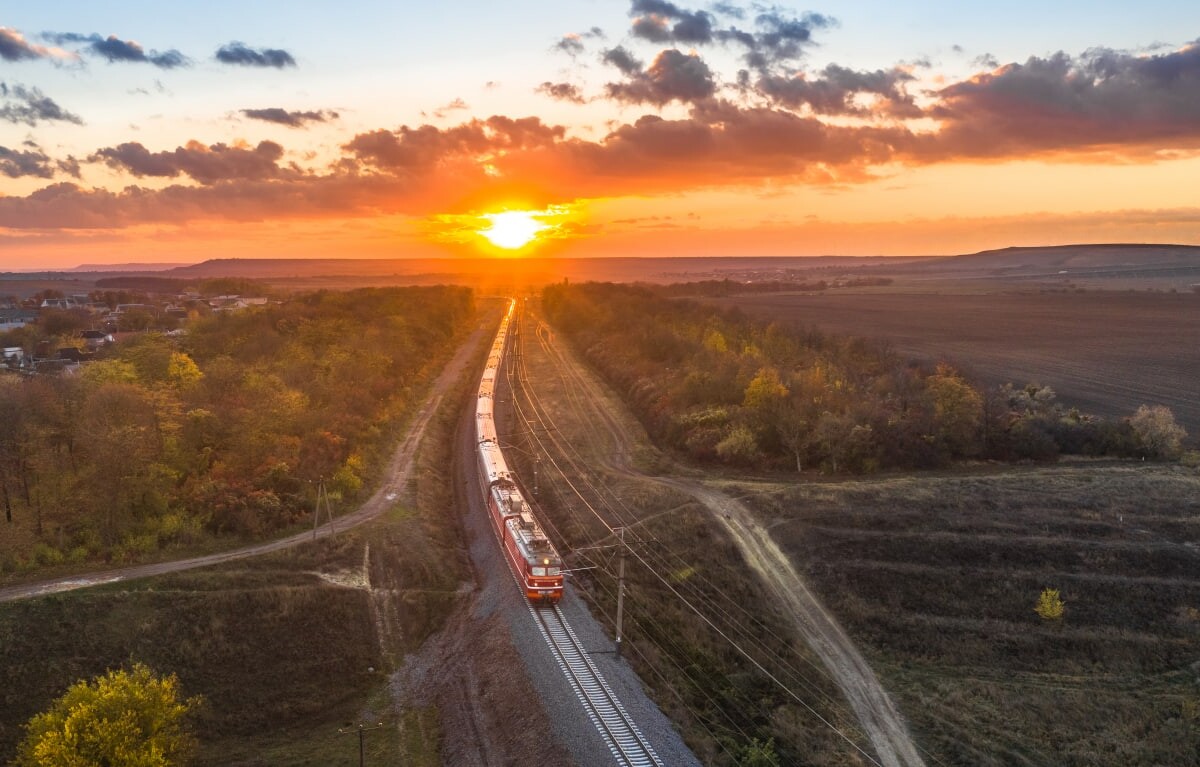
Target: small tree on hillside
x=1157 y=432
x=1049 y=605
x=123 y=719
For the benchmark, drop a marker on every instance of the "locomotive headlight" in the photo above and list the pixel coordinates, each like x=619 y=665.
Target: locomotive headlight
x=545 y=561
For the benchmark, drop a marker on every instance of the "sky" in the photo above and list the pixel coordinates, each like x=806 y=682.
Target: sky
x=138 y=132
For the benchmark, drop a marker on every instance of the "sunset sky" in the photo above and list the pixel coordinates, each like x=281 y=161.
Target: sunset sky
x=177 y=132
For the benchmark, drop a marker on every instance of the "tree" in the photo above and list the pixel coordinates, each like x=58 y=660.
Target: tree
x=121 y=719
x=1049 y=605
x=758 y=754
x=957 y=412
x=1157 y=432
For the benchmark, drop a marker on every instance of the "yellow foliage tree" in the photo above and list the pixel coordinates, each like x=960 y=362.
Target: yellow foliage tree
x=122 y=719
x=1049 y=605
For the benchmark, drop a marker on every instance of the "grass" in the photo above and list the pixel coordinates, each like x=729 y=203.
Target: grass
x=937 y=578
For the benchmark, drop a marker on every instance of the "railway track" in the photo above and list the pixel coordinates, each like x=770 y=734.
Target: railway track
x=622 y=736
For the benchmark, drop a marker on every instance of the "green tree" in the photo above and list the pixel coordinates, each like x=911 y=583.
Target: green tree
x=1049 y=605
x=121 y=719
x=759 y=754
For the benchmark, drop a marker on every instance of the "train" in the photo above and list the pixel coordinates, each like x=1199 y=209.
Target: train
x=529 y=553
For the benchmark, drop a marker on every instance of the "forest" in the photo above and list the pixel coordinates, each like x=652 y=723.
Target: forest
x=720 y=387
x=225 y=430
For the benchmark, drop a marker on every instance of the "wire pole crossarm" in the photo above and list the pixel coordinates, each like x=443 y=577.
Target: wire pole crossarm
x=362 y=730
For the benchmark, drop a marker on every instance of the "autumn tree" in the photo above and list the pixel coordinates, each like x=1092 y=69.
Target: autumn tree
x=1049 y=605
x=120 y=719
x=957 y=412
x=1157 y=432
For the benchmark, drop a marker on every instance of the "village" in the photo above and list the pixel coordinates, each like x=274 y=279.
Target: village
x=53 y=332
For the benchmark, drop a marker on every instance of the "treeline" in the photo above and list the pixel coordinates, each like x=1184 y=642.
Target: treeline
x=721 y=387
x=212 y=286
x=728 y=287
x=225 y=430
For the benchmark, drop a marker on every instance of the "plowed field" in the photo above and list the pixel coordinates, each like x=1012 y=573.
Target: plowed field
x=1103 y=352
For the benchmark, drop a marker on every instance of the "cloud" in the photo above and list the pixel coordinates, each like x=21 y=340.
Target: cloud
x=16 y=163
x=561 y=91
x=1059 y=107
x=622 y=59
x=292 y=119
x=426 y=146
x=672 y=76
x=113 y=49
x=777 y=37
x=243 y=55
x=205 y=164
x=453 y=106
x=1103 y=100
x=570 y=44
x=836 y=91
x=30 y=106
x=659 y=21
x=14 y=47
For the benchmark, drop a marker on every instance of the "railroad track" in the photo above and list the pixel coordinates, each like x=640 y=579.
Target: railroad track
x=623 y=738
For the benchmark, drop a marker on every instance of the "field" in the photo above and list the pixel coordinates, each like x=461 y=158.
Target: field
x=1103 y=352
x=936 y=577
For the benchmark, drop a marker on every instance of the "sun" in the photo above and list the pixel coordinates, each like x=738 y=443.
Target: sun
x=512 y=229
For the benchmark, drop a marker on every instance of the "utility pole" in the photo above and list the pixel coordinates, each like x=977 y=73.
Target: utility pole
x=321 y=494
x=362 y=729
x=620 y=591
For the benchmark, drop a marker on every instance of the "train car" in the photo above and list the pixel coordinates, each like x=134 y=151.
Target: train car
x=528 y=551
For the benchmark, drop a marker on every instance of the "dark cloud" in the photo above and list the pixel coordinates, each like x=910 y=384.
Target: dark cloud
x=292 y=119
x=206 y=164
x=30 y=106
x=14 y=47
x=672 y=76
x=426 y=146
x=16 y=163
x=660 y=21
x=835 y=91
x=778 y=38
x=622 y=59
x=1100 y=99
x=112 y=48
x=243 y=55
x=561 y=91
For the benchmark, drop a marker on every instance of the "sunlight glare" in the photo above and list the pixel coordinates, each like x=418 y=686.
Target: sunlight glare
x=512 y=229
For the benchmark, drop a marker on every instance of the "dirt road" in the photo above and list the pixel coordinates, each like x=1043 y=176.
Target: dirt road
x=392 y=488
x=878 y=717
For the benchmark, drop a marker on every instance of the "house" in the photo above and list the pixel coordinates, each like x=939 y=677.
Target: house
x=13 y=356
x=95 y=339
x=11 y=319
x=57 y=303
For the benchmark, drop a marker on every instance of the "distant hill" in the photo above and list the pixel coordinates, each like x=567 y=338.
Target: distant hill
x=1090 y=259
x=123 y=267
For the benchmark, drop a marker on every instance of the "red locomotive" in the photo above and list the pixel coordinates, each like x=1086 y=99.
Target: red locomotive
x=529 y=552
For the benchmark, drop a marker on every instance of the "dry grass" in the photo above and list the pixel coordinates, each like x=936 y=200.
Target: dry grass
x=936 y=577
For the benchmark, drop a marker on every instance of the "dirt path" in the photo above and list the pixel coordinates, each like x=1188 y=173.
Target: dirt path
x=394 y=485
x=878 y=717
